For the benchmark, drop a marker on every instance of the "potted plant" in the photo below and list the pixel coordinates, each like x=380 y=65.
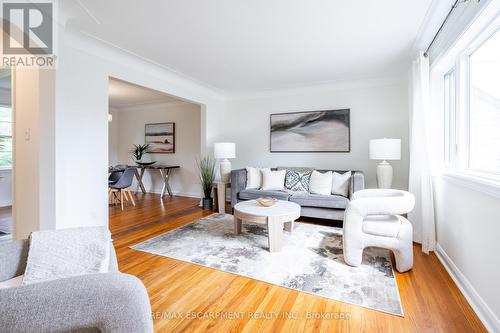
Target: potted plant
x=206 y=167
x=139 y=151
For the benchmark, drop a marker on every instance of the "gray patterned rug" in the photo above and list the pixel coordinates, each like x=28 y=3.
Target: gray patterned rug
x=311 y=260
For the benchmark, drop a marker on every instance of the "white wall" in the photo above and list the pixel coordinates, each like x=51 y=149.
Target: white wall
x=5 y=188
x=113 y=136
x=378 y=109
x=34 y=151
x=467 y=235
x=187 y=118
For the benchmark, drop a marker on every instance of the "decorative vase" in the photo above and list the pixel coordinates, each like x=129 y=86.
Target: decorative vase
x=207 y=204
x=384 y=175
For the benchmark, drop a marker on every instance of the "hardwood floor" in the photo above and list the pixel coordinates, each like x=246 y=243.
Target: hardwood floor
x=190 y=298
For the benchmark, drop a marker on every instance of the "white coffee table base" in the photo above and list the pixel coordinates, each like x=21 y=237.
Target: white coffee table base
x=278 y=217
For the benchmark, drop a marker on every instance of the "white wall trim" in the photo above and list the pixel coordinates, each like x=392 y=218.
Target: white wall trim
x=141 y=107
x=348 y=84
x=474 y=183
x=483 y=311
x=179 y=193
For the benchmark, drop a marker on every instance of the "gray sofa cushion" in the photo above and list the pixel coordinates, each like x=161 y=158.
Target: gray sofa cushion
x=323 y=213
x=318 y=200
x=13 y=257
x=251 y=194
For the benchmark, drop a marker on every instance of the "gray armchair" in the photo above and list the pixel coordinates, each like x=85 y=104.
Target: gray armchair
x=106 y=302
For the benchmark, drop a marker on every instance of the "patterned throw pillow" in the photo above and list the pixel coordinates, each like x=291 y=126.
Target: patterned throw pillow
x=297 y=181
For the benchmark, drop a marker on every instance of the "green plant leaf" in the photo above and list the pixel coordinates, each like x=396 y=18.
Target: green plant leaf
x=206 y=167
x=139 y=151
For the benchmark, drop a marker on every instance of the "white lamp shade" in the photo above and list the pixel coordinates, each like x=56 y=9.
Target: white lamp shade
x=385 y=149
x=224 y=150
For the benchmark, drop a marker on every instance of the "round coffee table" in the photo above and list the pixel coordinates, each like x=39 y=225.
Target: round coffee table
x=281 y=214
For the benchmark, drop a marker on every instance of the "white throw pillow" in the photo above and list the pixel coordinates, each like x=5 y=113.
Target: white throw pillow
x=254 y=177
x=340 y=183
x=320 y=183
x=273 y=180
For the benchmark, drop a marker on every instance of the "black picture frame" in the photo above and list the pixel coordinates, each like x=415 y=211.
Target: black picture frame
x=336 y=116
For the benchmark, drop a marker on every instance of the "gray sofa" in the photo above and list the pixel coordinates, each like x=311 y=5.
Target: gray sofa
x=312 y=205
x=106 y=302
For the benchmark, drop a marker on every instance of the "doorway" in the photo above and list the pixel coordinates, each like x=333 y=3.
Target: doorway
x=172 y=130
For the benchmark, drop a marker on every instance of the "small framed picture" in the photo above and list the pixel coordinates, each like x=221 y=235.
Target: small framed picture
x=161 y=138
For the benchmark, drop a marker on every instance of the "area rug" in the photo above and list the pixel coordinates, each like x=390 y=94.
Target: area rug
x=310 y=261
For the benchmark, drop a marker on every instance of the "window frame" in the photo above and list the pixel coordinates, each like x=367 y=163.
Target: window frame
x=450 y=104
x=456 y=157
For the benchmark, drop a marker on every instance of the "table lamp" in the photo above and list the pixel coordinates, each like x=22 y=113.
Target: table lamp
x=385 y=149
x=224 y=151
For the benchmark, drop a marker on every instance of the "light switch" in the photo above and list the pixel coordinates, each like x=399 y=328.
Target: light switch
x=27 y=134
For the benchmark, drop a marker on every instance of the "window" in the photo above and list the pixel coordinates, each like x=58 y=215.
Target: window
x=472 y=110
x=5 y=137
x=484 y=107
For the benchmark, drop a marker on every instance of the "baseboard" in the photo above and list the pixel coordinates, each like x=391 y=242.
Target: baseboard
x=187 y=194
x=181 y=194
x=483 y=311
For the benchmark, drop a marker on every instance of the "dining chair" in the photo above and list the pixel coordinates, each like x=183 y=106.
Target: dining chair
x=114 y=177
x=120 y=189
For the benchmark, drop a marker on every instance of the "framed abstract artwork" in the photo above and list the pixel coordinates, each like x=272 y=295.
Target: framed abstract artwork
x=161 y=138
x=311 y=131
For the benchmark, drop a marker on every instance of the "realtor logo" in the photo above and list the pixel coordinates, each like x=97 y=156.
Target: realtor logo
x=28 y=33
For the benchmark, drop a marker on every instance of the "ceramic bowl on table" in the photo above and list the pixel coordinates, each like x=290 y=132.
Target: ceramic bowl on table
x=145 y=163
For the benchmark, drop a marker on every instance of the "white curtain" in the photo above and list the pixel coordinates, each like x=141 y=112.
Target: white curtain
x=420 y=178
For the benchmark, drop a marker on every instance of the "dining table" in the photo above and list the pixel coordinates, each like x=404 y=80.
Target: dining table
x=164 y=170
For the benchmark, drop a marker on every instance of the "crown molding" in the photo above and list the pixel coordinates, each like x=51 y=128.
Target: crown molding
x=347 y=84
x=142 y=106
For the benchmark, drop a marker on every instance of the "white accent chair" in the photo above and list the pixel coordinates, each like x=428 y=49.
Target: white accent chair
x=373 y=219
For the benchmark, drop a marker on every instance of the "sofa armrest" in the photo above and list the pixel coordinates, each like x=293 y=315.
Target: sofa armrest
x=357 y=182
x=13 y=258
x=238 y=183
x=108 y=302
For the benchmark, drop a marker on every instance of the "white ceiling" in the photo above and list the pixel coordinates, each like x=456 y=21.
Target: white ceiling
x=123 y=94
x=242 y=46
